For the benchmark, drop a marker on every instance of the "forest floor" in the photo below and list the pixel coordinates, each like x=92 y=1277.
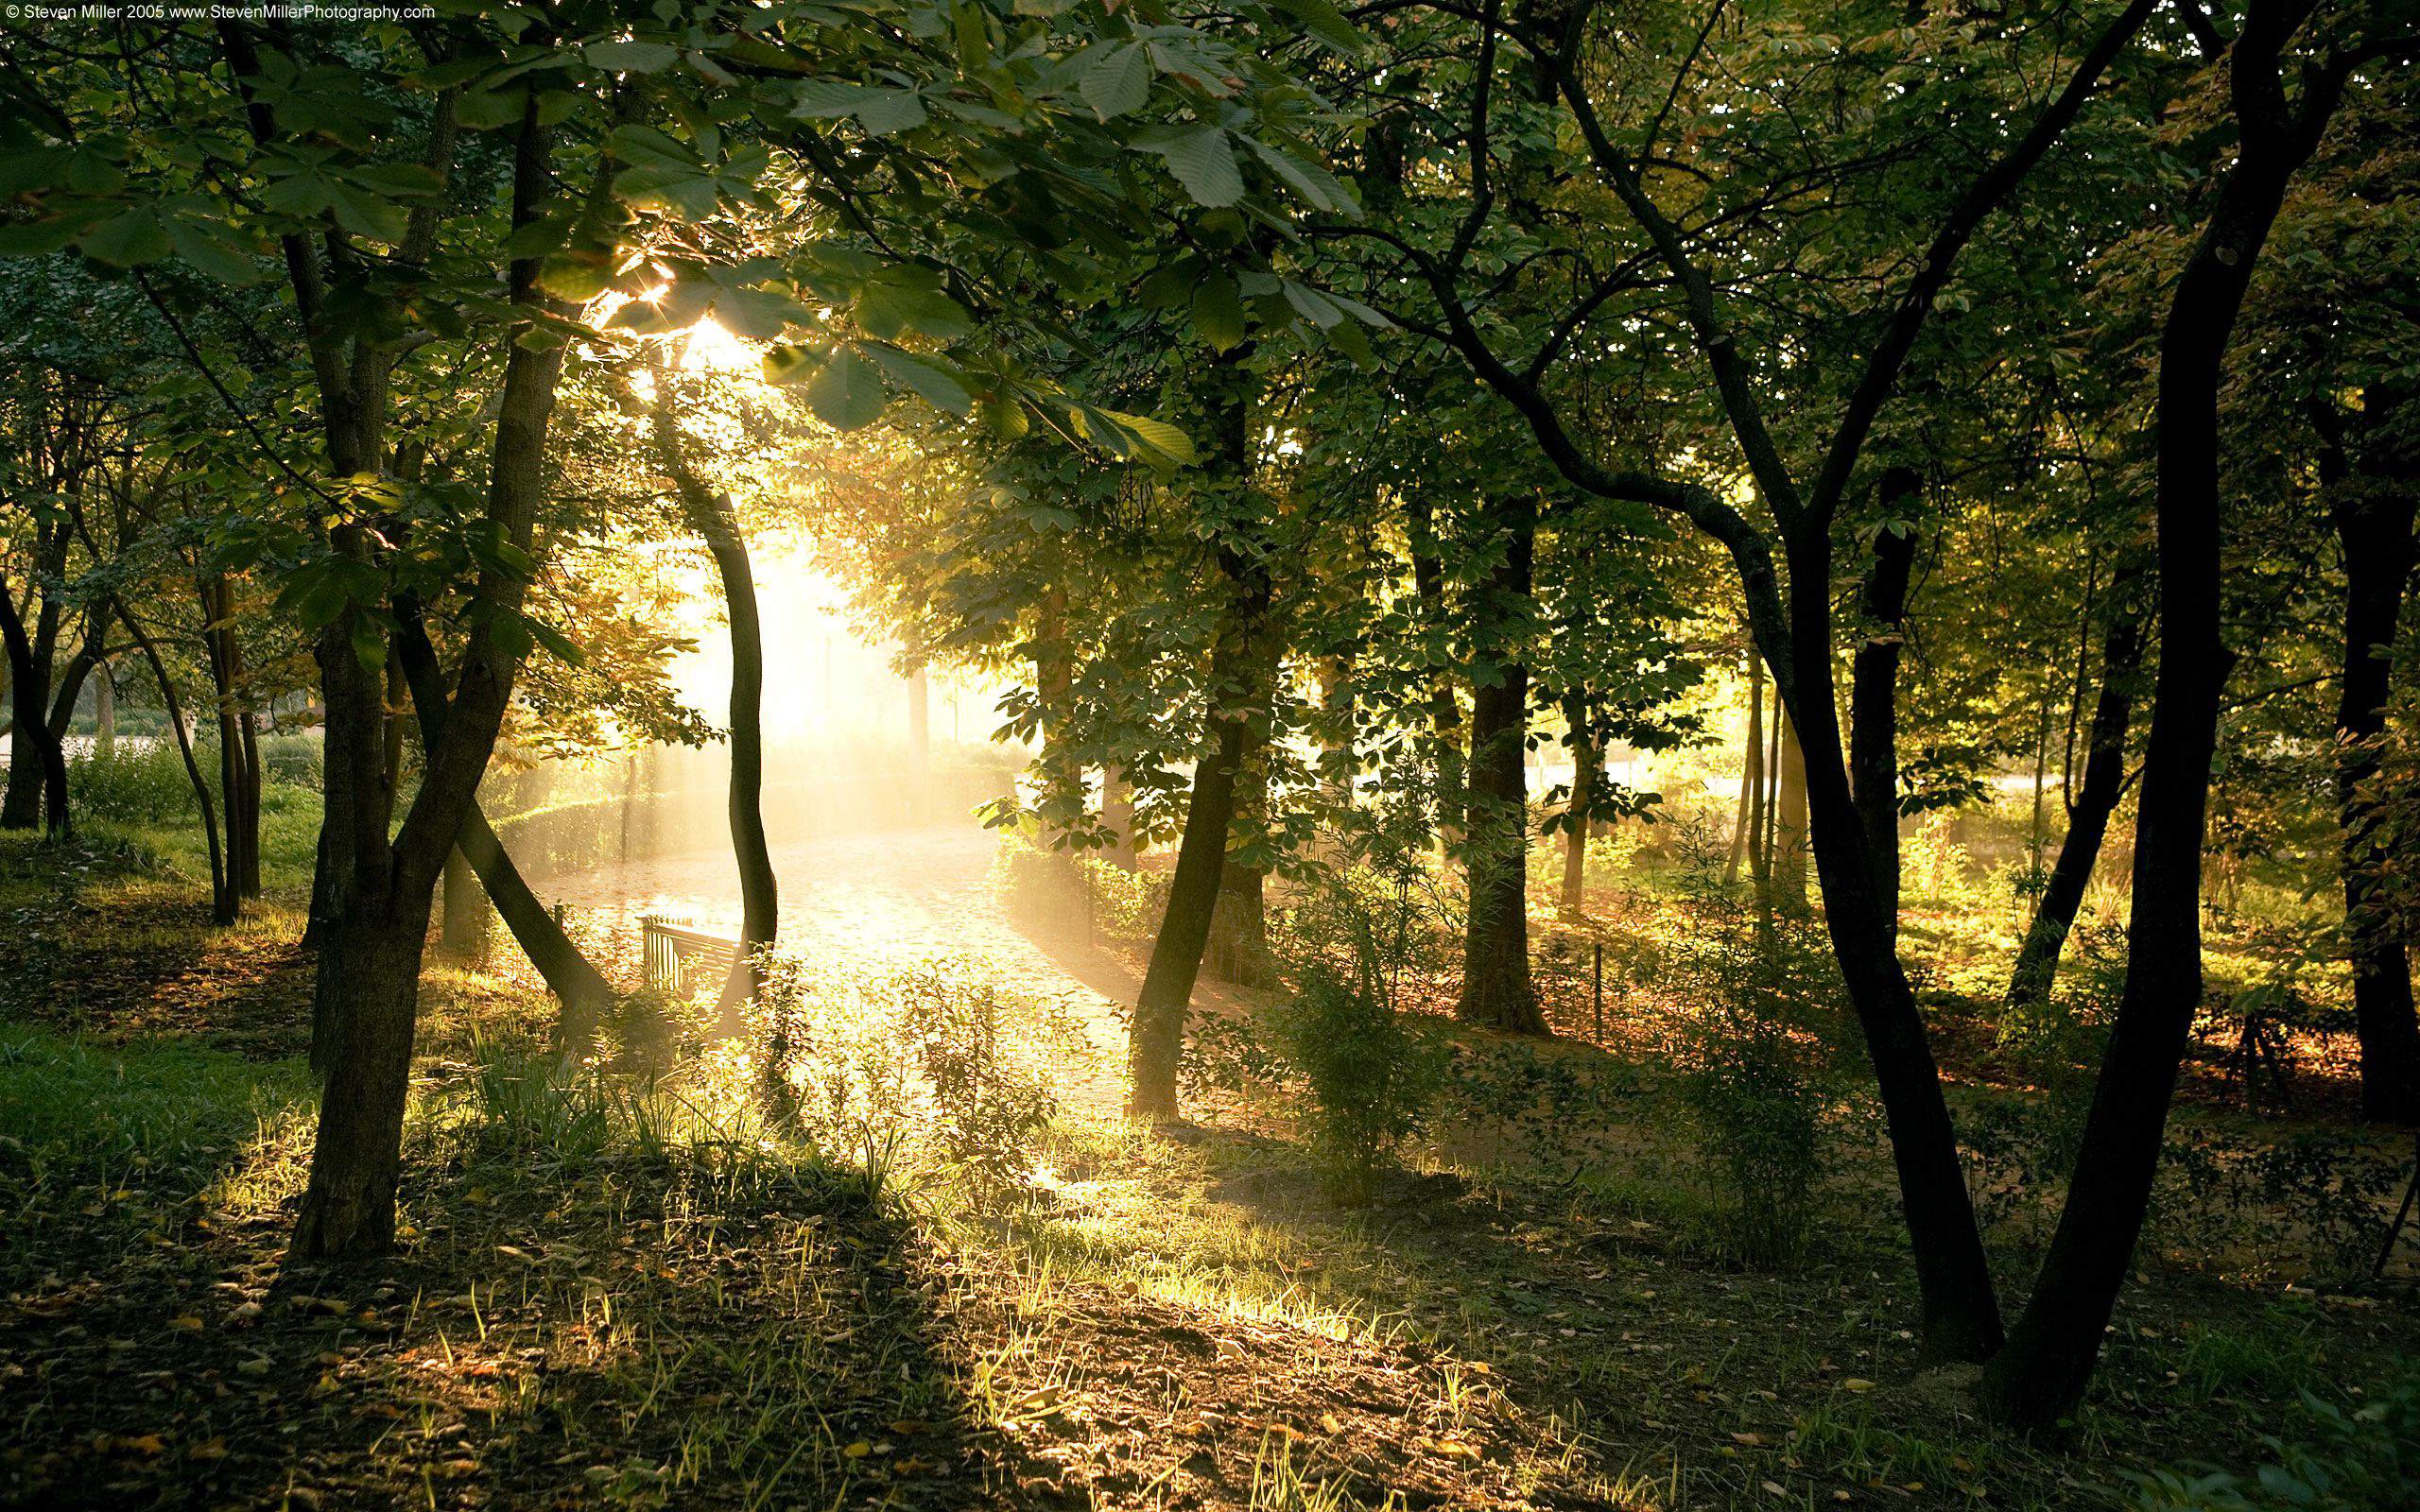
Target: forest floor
x=597 y=1306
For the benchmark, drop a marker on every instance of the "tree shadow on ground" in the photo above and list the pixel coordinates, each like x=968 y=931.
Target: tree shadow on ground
x=690 y=1328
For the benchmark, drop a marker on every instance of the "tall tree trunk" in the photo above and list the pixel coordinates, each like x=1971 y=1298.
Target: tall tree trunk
x=1873 y=694
x=1239 y=673
x=462 y=926
x=105 y=714
x=1961 y=1312
x=366 y=1001
x=1498 y=991
x=1054 y=682
x=1118 y=818
x=921 y=806
x=2104 y=782
x=2041 y=1374
x=2372 y=507
x=1747 y=834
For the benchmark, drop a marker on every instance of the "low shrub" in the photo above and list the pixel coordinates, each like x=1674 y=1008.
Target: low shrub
x=2337 y=1457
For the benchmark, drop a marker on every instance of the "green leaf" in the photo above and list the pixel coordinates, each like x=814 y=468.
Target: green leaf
x=211 y=251
x=579 y=277
x=1118 y=81
x=1322 y=19
x=1314 y=183
x=631 y=56
x=36 y=238
x=928 y=380
x=129 y=239
x=885 y=309
x=1218 y=312
x=557 y=644
x=847 y=393
x=1203 y=162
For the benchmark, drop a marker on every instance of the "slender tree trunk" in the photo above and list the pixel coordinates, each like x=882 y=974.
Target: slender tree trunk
x=1874 y=695
x=224 y=905
x=2041 y=1374
x=105 y=714
x=920 y=746
x=1961 y=1312
x=2373 y=509
x=462 y=927
x=1789 y=820
x=2104 y=782
x=1240 y=670
x=1747 y=834
x=1498 y=991
x=715 y=521
x=1117 y=817
x=1577 y=814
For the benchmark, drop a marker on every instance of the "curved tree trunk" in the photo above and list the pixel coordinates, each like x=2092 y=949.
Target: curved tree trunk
x=1238 y=945
x=2104 y=781
x=224 y=903
x=2041 y=1374
x=716 y=522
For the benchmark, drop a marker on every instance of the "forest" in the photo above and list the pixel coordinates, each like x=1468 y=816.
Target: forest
x=1291 y=755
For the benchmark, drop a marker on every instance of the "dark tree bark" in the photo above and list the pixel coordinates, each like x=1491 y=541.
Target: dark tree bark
x=239 y=754
x=1873 y=694
x=1498 y=991
x=37 y=789
x=1238 y=947
x=717 y=522
x=2041 y=1373
x=2372 y=507
x=581 y=990
x=462 y=912
x=2104 y=783
x=1239 y=669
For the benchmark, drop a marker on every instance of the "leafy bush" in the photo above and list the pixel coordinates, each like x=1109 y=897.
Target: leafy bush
x=133 y=785
x=2364 y=1459
x=1373 y=1071
x=1761 y=1068
x=295 y=760
x=906 y=1069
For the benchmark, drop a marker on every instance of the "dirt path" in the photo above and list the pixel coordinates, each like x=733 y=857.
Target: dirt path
x=887 y=899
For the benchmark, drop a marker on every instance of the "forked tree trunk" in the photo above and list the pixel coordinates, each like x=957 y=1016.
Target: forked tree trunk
x=1791 y=835
x=1498 y=991
x=2041 y=1374
x=581 y=993
x=37 y=765
x=375 y=926
x=2104 y=782
x=2373 y=509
